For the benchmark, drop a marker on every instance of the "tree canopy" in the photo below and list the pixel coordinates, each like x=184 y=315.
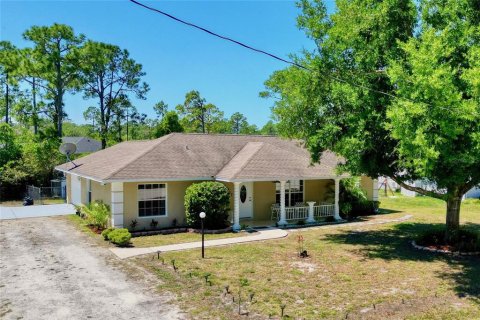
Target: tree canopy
x=198 y=115
x=393 y=87
x=55 y=60
x=170 y=123
x=108 y=74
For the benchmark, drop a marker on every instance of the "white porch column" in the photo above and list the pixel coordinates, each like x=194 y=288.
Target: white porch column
x=236 y=206
x=311 y=217
x=337 y=197
x=283 y=216
x=117 y=204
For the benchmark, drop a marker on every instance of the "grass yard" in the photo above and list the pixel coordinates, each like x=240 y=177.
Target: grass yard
x=161 y=239
x=356 y=272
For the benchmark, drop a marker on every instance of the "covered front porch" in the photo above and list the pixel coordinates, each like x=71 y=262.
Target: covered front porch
x=283 y=202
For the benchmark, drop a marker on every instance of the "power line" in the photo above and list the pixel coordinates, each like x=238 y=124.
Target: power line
x=293 y=63
x=219 y=35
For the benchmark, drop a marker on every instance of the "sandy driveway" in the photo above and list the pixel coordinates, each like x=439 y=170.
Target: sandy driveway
x=50 y=270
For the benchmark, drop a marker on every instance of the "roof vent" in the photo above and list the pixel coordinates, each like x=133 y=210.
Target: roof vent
x=186 y=147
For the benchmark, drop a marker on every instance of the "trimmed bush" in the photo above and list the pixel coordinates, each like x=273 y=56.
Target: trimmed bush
x=106 y=232
x=353 y=200
x=97 y=214
x=213 y=198
x=120 y=237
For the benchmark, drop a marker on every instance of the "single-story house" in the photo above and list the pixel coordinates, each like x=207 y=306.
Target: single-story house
x=269 y=178
x=84 y=144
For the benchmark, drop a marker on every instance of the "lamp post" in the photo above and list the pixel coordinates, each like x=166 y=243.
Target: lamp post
x=202 y=216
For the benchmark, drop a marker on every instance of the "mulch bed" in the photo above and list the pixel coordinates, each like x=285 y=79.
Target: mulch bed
x=177 y=230
x=446 y=249
x=96 y=230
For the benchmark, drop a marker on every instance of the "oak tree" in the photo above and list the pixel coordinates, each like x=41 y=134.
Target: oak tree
x=393 y=87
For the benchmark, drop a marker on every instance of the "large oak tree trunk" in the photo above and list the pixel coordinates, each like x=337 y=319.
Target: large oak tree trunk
x=453 y=218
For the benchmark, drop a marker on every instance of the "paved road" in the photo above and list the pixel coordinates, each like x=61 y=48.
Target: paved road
x=36 y=211
x=50 y=270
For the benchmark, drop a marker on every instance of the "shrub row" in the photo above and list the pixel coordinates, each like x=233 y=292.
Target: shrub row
x=120 y=237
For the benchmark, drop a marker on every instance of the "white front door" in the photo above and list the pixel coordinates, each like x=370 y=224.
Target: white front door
x=76 y=190
x=246 y=200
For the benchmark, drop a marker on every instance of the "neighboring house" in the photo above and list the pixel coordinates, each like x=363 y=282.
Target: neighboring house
x=472 y=193
x=145 y=180
x=84 y=144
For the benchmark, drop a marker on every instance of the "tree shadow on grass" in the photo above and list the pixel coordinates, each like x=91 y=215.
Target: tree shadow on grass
x=387 y=211
x=394 y=244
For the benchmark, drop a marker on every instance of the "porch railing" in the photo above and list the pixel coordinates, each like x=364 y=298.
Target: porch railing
x=301 y=212
x=296 y=213
x=323 y=211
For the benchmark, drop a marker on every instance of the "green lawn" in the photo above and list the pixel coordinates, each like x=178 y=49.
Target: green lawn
x=161 y=239
x=359 y=272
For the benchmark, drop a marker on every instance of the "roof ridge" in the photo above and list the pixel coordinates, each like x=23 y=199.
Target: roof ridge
x=226 y=134
x=261 y=144
x=159 y=140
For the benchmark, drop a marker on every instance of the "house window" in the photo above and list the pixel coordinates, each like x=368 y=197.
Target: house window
x=293 y=192
x=152 y=199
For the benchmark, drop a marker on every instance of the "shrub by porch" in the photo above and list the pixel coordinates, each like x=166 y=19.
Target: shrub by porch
x=213 y=198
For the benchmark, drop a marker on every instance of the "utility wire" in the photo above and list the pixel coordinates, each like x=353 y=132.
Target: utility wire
x=218 y=35
x=293 y=63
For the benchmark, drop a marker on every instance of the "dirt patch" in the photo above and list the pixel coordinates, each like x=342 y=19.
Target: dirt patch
x=50 y=270
x=305 y=267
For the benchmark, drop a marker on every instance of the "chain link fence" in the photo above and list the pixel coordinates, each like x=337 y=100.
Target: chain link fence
x=40 y=195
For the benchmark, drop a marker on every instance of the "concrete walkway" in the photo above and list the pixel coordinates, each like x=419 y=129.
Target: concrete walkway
x=46 y=210
x=267 y=234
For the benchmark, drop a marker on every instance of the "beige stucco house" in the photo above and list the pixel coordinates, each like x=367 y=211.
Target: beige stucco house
x=270 y=179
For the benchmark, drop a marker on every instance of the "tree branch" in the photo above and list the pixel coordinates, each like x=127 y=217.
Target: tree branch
x=418 y=190
x=36 y=83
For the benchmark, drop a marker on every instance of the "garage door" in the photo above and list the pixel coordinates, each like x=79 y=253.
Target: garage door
x=76 y=190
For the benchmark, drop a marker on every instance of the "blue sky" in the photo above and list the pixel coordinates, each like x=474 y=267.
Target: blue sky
x=175 y=57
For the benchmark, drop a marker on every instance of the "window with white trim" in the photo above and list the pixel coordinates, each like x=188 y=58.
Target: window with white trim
x=152 y=199
x=293 y=192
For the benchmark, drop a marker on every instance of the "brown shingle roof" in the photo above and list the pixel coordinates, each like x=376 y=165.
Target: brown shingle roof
x=201 y=156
